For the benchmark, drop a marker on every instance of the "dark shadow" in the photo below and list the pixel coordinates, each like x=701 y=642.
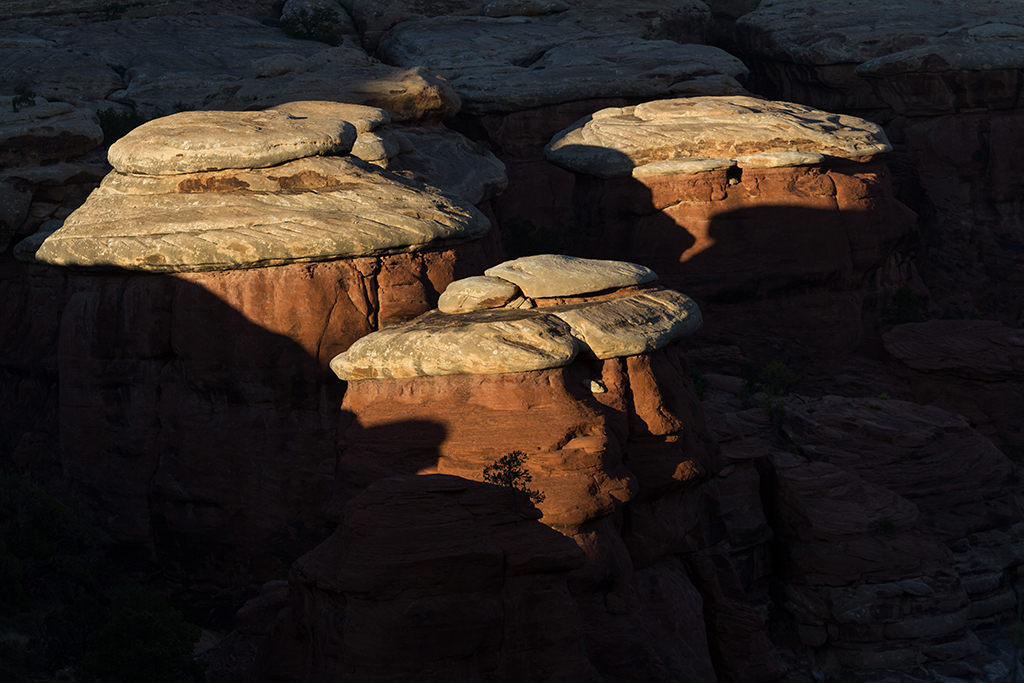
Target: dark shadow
x=205 y=443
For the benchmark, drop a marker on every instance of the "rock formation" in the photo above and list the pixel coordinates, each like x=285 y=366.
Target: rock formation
x=944 y=79
x=753 y=206
x=261 y=226
x=581 y=370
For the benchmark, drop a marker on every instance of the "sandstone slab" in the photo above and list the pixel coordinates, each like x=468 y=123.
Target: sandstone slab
x=352 y=211
x=45 y=133
x=485 y=342
x=612 y=142
x=193 y=141
x=476 y=293
x=629 y=326
x=553 y=275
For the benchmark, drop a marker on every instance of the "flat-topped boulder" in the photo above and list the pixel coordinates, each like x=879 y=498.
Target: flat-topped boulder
x=500 y=333
x=193 y=141
x=201 y=191
x=755 y=132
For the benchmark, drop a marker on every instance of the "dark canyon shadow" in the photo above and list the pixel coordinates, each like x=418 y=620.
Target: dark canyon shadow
x=204 y=443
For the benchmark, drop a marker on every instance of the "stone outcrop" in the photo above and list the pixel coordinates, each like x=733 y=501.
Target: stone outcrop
x=972 y=367
x=223 y=445
x=614 y=440
x=740 y=200
x=160 y=65
x=944 y=79
x=460 y=585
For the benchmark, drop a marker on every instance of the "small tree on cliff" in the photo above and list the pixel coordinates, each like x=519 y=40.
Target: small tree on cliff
x=509 y=471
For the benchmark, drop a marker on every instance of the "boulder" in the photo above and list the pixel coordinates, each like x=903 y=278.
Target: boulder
x=552 y=275
x=972 y=367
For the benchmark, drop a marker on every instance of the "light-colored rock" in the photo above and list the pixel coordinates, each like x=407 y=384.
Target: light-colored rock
x=632 y=325
x=552 y=275
x=348 y=211
x=614 y=141
x=477 y=293
x=515 y=63
x=193 y=141
x=483 y=342
x=363 y=118
x=374 y=148
x=780 y=159
x=681 y=167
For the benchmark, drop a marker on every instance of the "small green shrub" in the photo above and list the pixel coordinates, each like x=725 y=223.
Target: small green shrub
x=117 y=123
x=509 y=471
x=319 y=24
x=885 y=526
x=777 y=379
x=775 y=406
x=904 y=307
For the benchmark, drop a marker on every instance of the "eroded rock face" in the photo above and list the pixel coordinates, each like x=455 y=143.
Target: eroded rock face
x=972 y=367
x=163 y=358
x=943 y=78
x=459 y=585
x=739 y=200
x=615 y=443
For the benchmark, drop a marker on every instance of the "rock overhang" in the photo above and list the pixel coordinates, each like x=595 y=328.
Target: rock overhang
x=503 y=331
x=203 y=191
x=698 y=134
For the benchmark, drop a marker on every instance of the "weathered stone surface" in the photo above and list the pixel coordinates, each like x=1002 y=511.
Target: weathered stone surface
x=957 y=479
x=151 y=401
x=348 y=209
x=194 y=141
x=684 y=21
x=363 y=118
x=484 y=342
x=443 y=158
x=553 y=275
x=550 y=62
x=612 y=142
x=433 y=578
x=476 y=293
x=44 y=132
x=972 y=367
x=629 y=326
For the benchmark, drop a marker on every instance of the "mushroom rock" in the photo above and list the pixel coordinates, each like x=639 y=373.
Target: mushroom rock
x=432 y=578
x=210 y=293
x=750 y=205
x=523 y=73
x=589 y=382
x=972 y=367
x=944 y=78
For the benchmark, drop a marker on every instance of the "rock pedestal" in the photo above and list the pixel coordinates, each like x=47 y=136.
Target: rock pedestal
x=776 y=216
x=575 y=364
x=216 y=272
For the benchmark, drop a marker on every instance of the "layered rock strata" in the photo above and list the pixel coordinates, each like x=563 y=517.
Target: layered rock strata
x=893 y=529
x=217 y=271
x=740 y=200
x=944 y=77
x=577 y=365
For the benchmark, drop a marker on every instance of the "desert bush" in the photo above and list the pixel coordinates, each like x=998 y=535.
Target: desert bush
x=510 y=471
x=319 y=24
